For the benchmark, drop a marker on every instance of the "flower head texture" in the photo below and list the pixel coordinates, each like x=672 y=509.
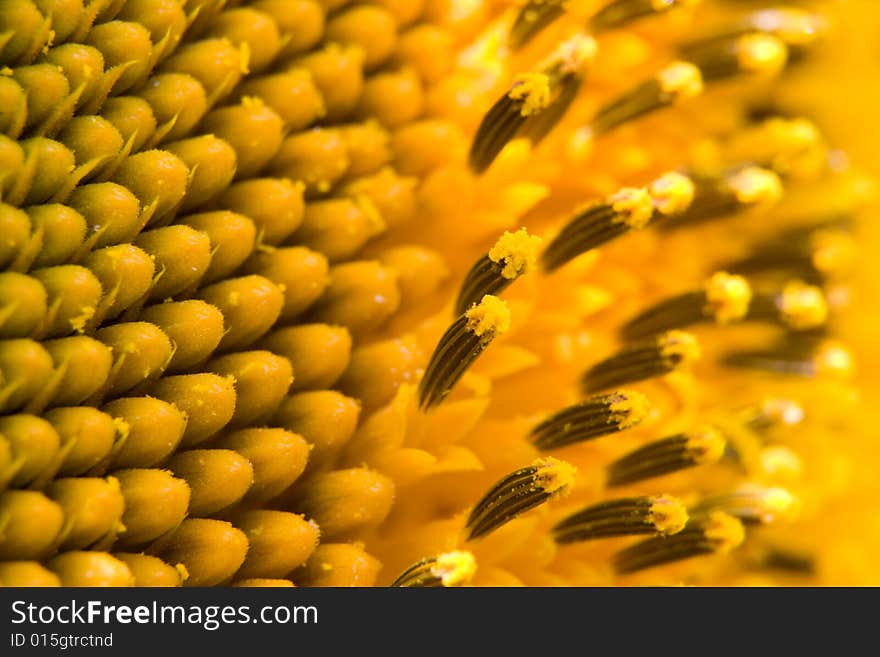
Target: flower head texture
x=438 y=292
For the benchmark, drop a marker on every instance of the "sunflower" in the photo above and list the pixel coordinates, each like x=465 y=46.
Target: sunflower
x=436 y=293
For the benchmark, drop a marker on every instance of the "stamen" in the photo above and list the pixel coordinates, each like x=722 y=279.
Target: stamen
x=815 y=254
x=513 y=255
x=643 y=360
x=806 y=356
x=724 y=299
x=631 y=516
x=519 y=492
x=799 y=29
x=789 y=146
x=796 y=27
x=629 y=209
x=500 y=125
x=535 y=102
x=788 y=560
x=752 y=504
x=735 y=190
x=724 y=57
x=772 y=412
x=449 y=569
x=717 y=532
x=704 y=445
x=598 y=416
x=678 y=81
x=620 y=12
x=536 y=15
x=533 y=17
x=460 y=346
x=798 y=307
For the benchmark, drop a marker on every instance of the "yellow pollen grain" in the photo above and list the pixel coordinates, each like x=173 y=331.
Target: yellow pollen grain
x=553 y=475
x=681 y=80
x=727 y=297
x=756 y=185
x=518 y=251
x=573 y=54
x=705 y=445
x=681 y=344
x=803 y=306
x=761 y=53
x=672 y=193
x=668 y=514
x=489 y=317
x=630 y=410
x=122 y=428
x=724 y=531
x=632 y=206
x=455 y=568
x=533 y=89
x=79 y=322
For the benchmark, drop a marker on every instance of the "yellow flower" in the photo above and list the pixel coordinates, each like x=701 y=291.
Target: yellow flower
x=436 y=293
